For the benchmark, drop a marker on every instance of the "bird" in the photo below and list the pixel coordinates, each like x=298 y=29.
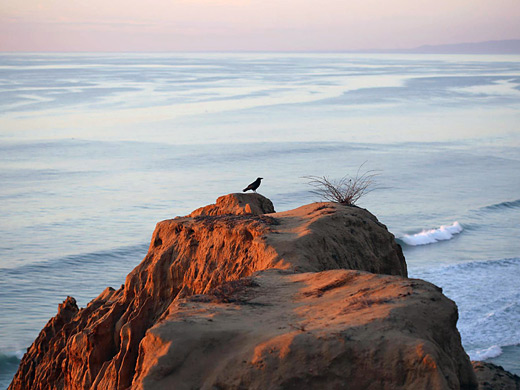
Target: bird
x=254 y=185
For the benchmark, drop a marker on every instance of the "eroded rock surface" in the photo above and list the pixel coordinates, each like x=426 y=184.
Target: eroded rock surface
x=335 y=329
x=101 y=346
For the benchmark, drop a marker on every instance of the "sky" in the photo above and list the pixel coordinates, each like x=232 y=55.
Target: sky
x=256 y=25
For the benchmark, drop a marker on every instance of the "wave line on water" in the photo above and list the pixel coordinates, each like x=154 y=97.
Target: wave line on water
x=87 y=258
x=443 y=233
x=470 y=265
x=503 y=205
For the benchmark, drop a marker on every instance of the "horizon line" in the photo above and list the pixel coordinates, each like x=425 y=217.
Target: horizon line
x=421 y=49
x=238 y=51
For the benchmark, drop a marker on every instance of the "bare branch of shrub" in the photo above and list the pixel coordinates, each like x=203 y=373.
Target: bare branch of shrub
x=347 y=190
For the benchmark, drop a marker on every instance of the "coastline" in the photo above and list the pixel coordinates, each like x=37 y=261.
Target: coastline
x=77 y=198
x=259 y=254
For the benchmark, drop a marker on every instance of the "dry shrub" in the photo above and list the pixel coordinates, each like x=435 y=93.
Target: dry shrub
x=347 y=190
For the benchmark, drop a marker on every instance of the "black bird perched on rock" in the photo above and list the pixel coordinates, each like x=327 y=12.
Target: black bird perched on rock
x=254 y=185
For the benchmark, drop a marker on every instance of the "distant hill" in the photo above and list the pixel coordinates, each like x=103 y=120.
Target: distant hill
x=511 y=46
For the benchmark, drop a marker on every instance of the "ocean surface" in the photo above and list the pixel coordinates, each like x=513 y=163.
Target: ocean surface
x=95 y=149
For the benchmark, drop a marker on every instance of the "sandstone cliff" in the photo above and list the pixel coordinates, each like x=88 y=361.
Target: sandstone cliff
x=280 y=310
x=338 y=329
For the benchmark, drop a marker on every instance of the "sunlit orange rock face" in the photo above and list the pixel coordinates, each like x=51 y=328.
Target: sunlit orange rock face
x=237 y=204
x=338 y=329
x=235 y=296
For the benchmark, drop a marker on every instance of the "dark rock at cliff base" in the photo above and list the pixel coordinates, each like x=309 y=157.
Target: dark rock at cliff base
x=101 y=346
x=493 y=377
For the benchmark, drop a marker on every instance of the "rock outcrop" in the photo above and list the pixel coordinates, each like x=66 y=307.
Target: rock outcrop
x=336 y=329
x=493 y=377
x=269 y=293
x=237 y=204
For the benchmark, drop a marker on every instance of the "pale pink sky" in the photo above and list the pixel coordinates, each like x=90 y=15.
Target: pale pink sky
x=198 y=25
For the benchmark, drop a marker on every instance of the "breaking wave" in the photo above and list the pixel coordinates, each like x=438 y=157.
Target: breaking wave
x=10 y=361
x=484 y=354
x=8 y=365
x=445 y=232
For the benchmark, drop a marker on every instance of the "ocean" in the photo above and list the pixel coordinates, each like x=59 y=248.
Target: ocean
x=95 y=149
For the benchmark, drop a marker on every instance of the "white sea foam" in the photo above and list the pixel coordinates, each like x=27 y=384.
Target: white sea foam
x=433 y=235
x=488 y=301
x=487 y=353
